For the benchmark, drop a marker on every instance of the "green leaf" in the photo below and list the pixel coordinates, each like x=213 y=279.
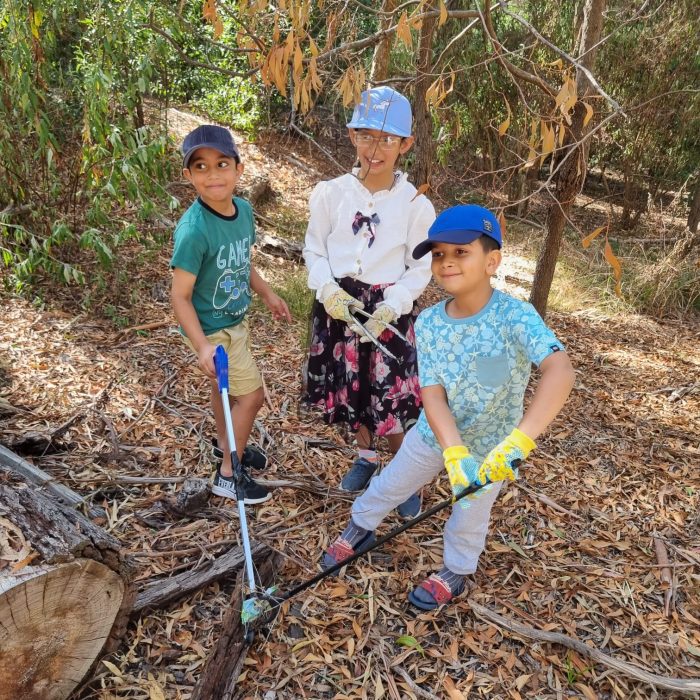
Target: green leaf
x=517 y=548
x=406 y=640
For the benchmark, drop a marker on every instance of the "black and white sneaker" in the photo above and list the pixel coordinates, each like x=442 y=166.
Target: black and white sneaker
x=253 y=492
x=253 y=457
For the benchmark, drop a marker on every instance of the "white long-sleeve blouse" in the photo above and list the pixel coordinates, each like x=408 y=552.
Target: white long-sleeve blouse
x=369 y=236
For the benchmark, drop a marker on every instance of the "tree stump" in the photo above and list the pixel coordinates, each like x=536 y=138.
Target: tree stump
x=71 y=604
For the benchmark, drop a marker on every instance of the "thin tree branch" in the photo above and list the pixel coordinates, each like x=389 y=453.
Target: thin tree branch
x=613 y=103
x=199 y=64
x=683 y=685
x=511 y=68
x=378 y=36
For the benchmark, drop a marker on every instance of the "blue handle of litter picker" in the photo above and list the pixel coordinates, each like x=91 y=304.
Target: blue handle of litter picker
x=221 y=365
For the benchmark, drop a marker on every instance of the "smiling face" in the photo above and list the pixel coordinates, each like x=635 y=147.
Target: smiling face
x=378 y=152
x=464 y=269
x=215 y=177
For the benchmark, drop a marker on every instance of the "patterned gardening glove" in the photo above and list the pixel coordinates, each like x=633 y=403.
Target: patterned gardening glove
x=498 y=464
x=461 y=468
x=339 y=303
x=374 y=326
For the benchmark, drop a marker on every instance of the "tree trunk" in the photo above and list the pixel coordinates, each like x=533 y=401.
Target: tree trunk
x=634 y=198
x=382 y=51
x=422 y=121
x=694 y=213
x=60 y=613
x=571 y=176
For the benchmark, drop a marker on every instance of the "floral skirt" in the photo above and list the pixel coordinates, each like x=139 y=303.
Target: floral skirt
x=356 y=383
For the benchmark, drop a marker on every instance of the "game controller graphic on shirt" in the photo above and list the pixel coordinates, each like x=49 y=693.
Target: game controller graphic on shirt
x=230 y=286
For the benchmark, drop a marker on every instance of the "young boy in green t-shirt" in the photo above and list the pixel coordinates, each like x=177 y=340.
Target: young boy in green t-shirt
x=211 y=292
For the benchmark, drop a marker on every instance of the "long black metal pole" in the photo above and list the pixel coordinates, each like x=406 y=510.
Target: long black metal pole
x=278 y=600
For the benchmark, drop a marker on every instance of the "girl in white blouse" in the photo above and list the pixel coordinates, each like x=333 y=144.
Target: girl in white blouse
x=363 y=227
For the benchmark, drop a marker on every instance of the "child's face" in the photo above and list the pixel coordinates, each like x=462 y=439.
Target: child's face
x=378 y=151
x=213 y=175
x=463 y=268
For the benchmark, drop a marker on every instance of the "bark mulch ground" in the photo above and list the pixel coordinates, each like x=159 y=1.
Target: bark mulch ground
x=576 y=547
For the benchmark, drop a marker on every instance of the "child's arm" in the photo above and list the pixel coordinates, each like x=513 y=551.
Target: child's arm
x=460 y=464
x=278 y=307
x=181 y=300
x=552 y=391
x=315 y=252
x=554 y=386
x=439 y=415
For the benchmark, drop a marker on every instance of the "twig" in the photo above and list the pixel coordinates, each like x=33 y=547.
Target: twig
x=163 y=387
x=691 y=685
x=393 y=690
x=303 y=484
x=145 y=326
x=547 y=501
x=413 y=685
x=665 y=573
x=323 y=150
x=107 y=480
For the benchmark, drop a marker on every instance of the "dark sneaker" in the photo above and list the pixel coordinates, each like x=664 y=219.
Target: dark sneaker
x=253 y=457
x=253 y=492
x=359 y=475
x=410 y=508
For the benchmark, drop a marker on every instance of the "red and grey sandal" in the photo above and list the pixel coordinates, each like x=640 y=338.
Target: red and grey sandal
x=434 y=592
x=341 y=550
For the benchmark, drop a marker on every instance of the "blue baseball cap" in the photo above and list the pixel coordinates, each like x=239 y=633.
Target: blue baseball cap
x=384 y=109
x=209 y=136
x=461 y=224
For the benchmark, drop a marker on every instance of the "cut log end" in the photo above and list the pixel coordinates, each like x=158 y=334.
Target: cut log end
x=54 y=621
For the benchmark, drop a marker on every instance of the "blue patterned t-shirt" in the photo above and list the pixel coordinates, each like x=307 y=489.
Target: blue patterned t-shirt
x=483 y=362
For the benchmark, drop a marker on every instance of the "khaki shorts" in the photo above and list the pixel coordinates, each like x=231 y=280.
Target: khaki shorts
x=243 y=375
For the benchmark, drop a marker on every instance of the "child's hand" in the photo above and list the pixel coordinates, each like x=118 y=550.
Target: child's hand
x=461 y=468
x=499 y=463
x=278 y=307
x=205 y=360
x=376 y=325
x=339 y=304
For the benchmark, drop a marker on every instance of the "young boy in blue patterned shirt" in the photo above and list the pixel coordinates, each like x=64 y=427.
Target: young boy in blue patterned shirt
x=475 y=350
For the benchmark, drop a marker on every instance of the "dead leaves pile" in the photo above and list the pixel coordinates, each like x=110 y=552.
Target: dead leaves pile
x=599 y=540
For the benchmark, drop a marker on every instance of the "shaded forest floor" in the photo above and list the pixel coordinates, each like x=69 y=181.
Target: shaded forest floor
x=571 y=546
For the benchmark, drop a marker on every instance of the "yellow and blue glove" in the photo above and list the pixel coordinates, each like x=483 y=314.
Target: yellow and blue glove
x=500 y=462
x=462 y=468
x=339 y=303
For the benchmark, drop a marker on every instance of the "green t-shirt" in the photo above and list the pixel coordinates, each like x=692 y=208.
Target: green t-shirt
x=216 y=249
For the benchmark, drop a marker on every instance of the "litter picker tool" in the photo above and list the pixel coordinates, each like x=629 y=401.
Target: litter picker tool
x=249 y=608
x=355 y=310
x=268 y=604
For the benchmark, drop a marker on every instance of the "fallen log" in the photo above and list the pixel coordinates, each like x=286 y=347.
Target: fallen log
x=280 y=247
x=225 y=663
x=158 y=594
x=32 y=473
x=70 y=605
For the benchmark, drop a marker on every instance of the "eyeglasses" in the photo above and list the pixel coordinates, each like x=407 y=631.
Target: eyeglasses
x=384 y=142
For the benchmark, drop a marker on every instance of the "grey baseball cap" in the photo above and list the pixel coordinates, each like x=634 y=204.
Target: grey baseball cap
x=209 y=136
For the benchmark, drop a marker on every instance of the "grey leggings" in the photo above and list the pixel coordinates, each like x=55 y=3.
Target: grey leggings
x=414 y=465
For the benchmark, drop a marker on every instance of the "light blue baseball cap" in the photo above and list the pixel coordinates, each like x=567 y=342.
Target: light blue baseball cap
x=384 y=109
